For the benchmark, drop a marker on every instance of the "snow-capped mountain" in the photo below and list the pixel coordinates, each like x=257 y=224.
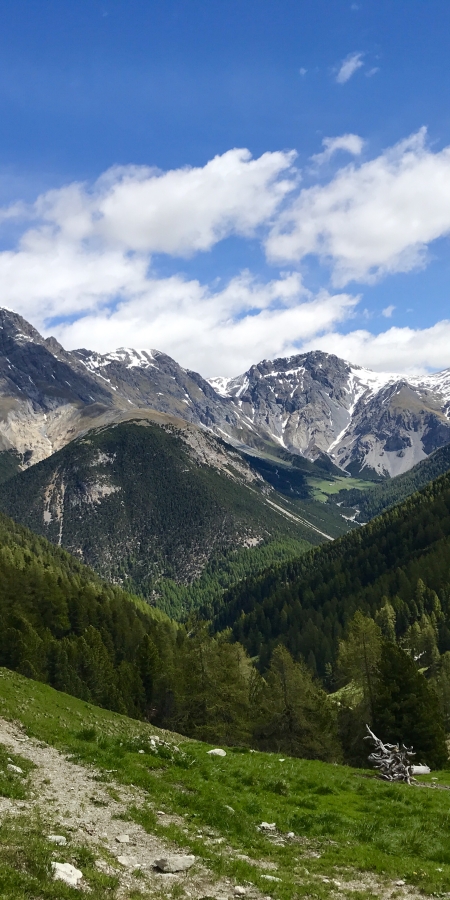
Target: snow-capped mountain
x=316 y=403
x=309 y=404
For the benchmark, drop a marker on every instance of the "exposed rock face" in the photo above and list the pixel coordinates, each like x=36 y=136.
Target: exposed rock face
x=311 y=403
x=316 y=403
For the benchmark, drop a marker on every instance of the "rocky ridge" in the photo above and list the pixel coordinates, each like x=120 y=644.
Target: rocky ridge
x=312 y=404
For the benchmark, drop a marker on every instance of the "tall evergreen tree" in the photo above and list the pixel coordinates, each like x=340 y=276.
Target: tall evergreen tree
x=293 y=713
x=406 y=708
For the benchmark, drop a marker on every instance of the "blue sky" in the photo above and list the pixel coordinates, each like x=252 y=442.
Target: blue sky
x=132 y=215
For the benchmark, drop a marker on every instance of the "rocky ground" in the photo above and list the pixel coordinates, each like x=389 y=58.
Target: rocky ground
x=74 y=803
x=78 y=808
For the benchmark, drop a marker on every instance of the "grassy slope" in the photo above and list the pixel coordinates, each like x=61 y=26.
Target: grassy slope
x=347 y=823
x=373 y=501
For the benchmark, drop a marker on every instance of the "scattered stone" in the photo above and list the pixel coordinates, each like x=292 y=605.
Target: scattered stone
x=229 y=808
x=267 y=826
x=400 y=882
x=281 y=760
x=240 y=891
x=123 y=838
x=174 y=863
x=12 y=768
x=290 y=834
x=57 y=839
x=141 y=751
x=67 y=873
x=128 y=862
x=270 y=878
x=216 y=752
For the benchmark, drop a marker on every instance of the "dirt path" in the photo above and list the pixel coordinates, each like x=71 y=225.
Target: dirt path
x=69 y=796
x=71 y=800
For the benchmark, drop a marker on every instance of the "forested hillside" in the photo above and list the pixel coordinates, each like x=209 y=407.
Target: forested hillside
x=144 y=504
x=60 y=624
x=376 y=499
x=403 y=555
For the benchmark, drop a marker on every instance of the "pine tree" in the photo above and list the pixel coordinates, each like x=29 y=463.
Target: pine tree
x=406 y=708
x=359 y=654
x=293 y=713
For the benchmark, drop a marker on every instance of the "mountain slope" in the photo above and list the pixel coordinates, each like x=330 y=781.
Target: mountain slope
x=403 y=555
x=367 y=422
x=376 y=499
x=312 y=404
x=141 y=501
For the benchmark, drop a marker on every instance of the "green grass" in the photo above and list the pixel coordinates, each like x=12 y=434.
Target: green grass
x=13 y=785
x=322 y=488
x=25 y=864
x=345 y=821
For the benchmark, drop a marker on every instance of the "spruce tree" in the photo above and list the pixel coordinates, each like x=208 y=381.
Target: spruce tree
x=406 y=709
x=293 y=713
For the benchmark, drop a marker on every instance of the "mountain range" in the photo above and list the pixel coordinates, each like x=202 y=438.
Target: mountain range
x=313 y=404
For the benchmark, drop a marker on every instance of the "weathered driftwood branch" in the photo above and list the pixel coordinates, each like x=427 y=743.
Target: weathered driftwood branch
x=393 y=761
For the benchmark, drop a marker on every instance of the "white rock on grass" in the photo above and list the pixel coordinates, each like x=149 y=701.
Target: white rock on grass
x=267 y=826
x=174 y=863
x=270 y=878
x=240 y=891
x=216 y=752
x=67 y=873
x=57 y=839
x=129 y=862
x=123 y=838
x=12 y=768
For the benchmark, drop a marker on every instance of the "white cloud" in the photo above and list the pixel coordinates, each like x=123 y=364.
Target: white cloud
x=350 y=143
x=179 y=212
x=349 y=66
x=371 y=219
x=85 y=256
x=397 y=350
x=387 y=311
x=221 y=332
x=302 y=71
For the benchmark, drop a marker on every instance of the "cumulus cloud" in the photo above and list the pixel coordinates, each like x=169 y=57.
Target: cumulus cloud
x=178 y=212
x=349 y=66
x=403 y=350
x=350 y=143
x=370 y=219
x=214 y=332
x=84 y=267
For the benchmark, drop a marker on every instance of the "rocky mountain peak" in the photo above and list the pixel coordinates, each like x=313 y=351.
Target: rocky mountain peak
x=309 y=403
